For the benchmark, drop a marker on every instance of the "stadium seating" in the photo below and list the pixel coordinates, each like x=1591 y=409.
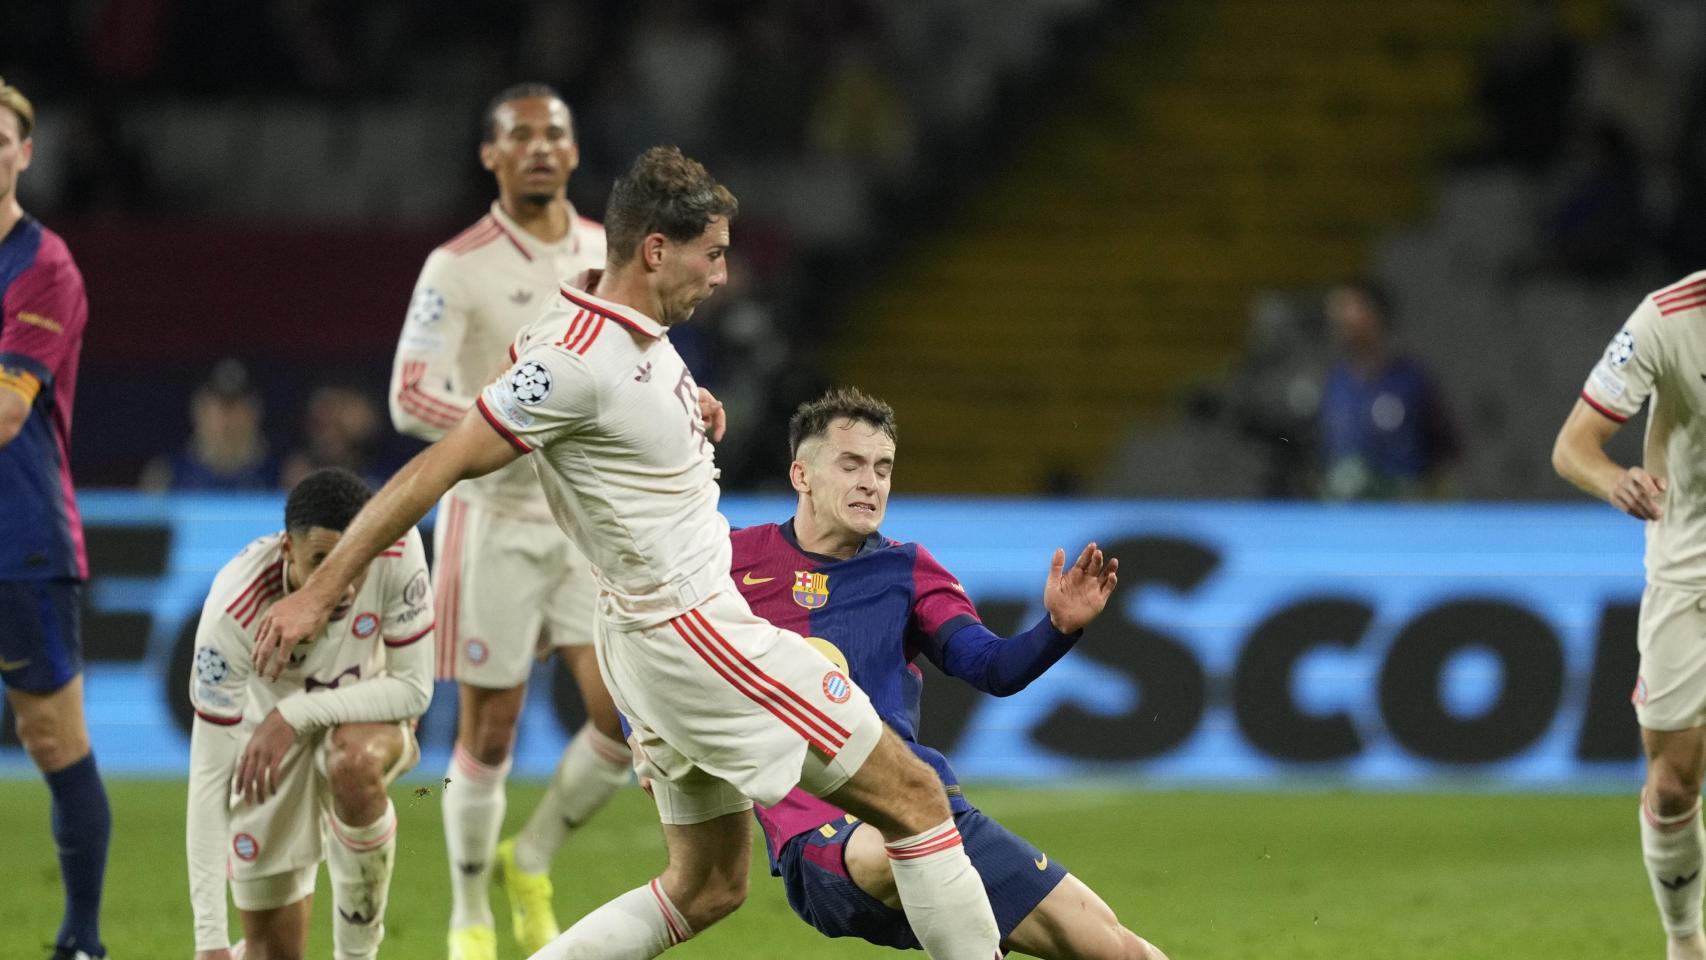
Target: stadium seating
x=1253 y=145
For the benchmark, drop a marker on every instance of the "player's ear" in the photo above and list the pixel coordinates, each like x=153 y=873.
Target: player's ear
x=574 y=156
x=26 y=150
x=652 y=249
x=489 y=155
x=797 y=477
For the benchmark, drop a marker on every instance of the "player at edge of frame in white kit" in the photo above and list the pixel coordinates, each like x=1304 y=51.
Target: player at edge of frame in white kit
x=292 y=769
x=509 y=585
x=1659 y=358
x=726 y=708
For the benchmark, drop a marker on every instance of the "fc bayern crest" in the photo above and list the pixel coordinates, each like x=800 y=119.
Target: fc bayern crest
x=365 y=624
x=1622 y=348
x=837 y=687
x=531 y=383
x=246 y=847
x=811 y=590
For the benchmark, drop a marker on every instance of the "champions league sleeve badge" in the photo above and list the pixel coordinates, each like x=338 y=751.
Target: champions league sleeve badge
x=530 y=383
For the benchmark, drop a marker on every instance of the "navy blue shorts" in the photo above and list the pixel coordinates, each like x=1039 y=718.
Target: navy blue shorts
x=1017 y=876
x=40 y=646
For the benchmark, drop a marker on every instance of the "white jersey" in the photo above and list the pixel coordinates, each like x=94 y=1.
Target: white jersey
x=474 y=295
x=1661 y=353
x=610 y=413
x=369 y=666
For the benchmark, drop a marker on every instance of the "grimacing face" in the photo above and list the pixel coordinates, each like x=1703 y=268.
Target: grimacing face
x=534 y=150
x=307 y=549
x=692 y=271
x=846 y=476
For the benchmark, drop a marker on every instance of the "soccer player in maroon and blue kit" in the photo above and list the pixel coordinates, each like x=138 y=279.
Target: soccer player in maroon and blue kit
x=42 y=562
x=873 y=605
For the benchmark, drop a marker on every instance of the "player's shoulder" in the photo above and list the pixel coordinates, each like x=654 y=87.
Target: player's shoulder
x=480 y=235
x=583 y=328
x=51 y=260
x=249 y=579
x=1686 y=298
x=756 y=539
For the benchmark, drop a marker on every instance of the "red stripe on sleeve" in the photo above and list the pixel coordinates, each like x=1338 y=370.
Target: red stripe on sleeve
x=1610 y=415
x=514 y=441
x=216 y=719
x=408 y=640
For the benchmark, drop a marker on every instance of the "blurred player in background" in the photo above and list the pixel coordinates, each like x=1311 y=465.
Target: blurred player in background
x=272 y=761
x=828 y=574
x=724 y=706
x=1661 y=354
x=42 y=562
x=508 y=583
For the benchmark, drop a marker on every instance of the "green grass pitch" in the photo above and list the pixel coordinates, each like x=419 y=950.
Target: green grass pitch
x=1204 y=875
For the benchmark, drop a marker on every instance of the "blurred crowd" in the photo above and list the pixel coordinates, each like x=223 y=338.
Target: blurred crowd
x=830 y=120
x=1594 y=144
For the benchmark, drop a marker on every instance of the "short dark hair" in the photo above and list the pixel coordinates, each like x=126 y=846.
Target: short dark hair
x=521 y=91
x=663 y=192
x=814 y=417
x=328 y=498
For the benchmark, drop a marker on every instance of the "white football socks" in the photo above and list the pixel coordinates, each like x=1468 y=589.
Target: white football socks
x=1674 y=848
x=943 y=895
x=473 y=815
x=359 y=860
x=638 y=925
x=593 y=767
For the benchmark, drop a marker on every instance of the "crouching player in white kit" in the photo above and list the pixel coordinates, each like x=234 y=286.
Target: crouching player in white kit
x=289 y=770
x=726 y=707
x=1661 y=354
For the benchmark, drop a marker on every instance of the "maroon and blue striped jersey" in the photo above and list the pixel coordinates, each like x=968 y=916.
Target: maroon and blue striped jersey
x=42 y=314
x=881 y=608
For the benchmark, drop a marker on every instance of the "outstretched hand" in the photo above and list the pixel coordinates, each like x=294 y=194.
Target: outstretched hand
x=293 y=619
x=1075 y=595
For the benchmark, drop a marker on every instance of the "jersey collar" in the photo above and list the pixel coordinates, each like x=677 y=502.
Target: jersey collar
x=627 y=316
x=530 y=246
x=872 y=542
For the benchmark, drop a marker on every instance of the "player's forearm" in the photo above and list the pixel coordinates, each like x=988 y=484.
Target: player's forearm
x=213 y=751
x=1585 y=464
x=1004 y=666
x=400 y=695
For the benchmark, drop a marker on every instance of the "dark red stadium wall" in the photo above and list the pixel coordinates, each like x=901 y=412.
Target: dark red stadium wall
x=300 y=306
x=191 y=293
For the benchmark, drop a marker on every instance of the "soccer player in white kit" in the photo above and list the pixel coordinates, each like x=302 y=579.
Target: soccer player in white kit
x=1659 y=357
x=288 y=770
x=507 y=581
x=725 y=707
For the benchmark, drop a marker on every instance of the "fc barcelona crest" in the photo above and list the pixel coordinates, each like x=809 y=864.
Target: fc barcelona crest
x=811 y=590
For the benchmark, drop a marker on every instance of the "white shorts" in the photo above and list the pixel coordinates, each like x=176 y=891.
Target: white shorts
x=276 y=846
x=506 y=590
x=1670 y=690
x=727 y=708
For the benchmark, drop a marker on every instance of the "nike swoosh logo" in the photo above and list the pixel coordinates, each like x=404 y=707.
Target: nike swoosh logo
x=1042 y=862
x=6 y=665
x=753 y=581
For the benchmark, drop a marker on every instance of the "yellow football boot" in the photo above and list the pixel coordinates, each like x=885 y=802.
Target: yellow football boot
x=529 y=901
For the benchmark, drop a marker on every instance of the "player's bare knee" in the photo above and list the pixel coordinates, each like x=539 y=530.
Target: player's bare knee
x=50 y=746
x=1672 y=790
x=711 y=903
x=355 y=769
